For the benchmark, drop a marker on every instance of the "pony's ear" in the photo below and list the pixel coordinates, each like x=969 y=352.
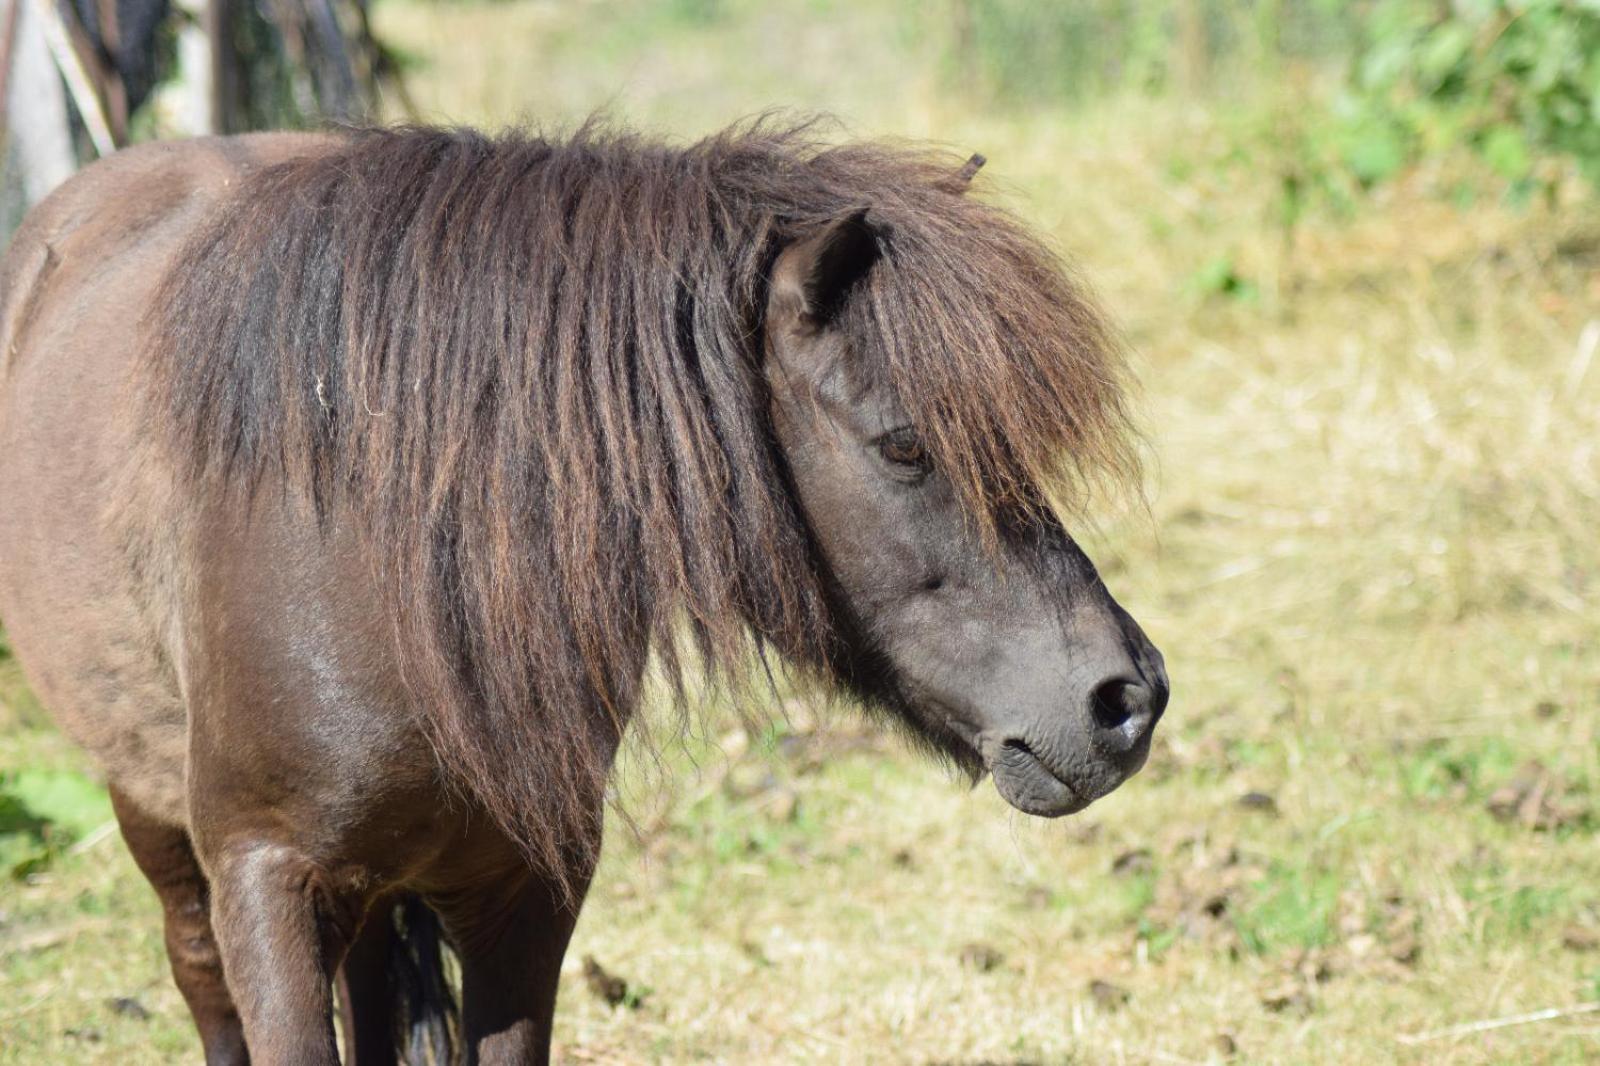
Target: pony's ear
x=812 y=277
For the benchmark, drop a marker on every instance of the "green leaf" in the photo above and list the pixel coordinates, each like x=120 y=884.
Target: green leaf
x=65 y=799
x=1442 y=52
x=1217 y=277
x=1506 y=150
x=1375 y=151
x=42 y=812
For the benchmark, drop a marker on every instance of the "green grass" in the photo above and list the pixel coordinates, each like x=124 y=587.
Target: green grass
x=1369 y=555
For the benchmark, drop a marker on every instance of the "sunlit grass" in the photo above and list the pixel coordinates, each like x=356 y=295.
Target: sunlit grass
x=1370 y=557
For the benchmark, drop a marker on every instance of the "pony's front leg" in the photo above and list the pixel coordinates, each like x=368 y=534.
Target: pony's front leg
x=511 y=938
x=283 y=924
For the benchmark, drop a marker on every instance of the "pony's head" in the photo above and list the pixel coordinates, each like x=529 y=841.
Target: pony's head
x=933 y=385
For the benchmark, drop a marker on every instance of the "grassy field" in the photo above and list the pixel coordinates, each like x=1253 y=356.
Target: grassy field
x=1370 y=555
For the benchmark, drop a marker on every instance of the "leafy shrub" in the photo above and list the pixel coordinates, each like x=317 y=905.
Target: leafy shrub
x=1513 y=80
x=1021 y=52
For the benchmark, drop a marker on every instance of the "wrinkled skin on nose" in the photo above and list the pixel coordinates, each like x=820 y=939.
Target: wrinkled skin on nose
x=1014 y=657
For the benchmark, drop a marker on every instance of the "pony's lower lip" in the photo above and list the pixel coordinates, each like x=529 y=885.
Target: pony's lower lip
x=1029 y=785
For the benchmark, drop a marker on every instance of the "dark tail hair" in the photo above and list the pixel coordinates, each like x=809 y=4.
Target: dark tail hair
x=427 y=1019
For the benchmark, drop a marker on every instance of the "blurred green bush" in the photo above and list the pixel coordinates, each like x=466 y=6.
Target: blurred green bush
x=1037 y=51
x=1513 y=82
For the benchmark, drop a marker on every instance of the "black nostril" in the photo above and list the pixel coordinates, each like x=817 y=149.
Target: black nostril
x=1127 y=709
x=1114 y=703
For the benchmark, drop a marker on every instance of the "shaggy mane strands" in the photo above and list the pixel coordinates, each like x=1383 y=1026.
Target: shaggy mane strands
x=532 y=370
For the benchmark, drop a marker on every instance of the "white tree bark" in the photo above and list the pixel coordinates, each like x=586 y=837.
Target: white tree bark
x=38 y=129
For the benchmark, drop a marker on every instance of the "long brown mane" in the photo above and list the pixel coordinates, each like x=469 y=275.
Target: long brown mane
x=533 y=370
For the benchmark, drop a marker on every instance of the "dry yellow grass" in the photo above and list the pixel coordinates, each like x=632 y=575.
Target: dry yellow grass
x=1370 y=556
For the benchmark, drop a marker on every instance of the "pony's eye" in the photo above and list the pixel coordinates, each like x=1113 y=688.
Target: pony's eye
x=903 y=448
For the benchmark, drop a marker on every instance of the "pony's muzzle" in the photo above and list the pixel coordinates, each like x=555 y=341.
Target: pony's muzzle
x=1059 y=766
